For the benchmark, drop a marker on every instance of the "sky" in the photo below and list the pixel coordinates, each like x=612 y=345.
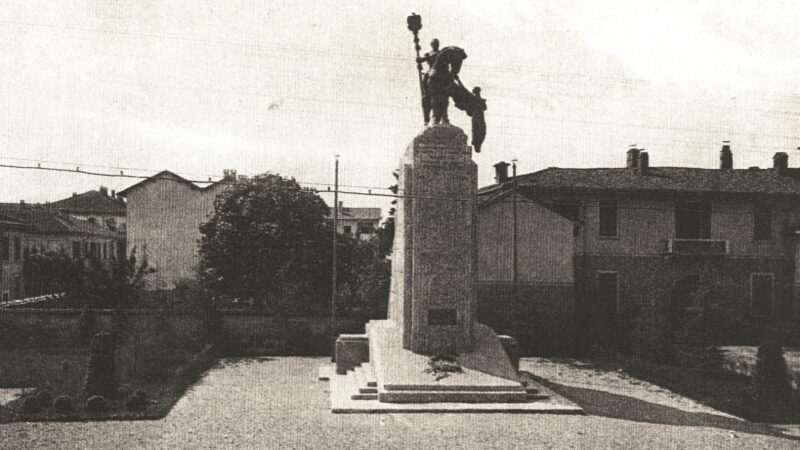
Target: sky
x=196 y=87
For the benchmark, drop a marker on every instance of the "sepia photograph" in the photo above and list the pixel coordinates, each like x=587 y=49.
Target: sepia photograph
x=472 y=224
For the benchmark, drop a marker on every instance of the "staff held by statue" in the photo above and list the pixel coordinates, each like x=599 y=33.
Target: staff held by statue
x=414 y=23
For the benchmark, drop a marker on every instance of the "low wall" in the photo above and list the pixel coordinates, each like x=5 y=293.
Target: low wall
x=244 y=332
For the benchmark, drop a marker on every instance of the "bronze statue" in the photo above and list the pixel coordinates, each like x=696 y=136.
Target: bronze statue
x=429 y=58
x=441 y=82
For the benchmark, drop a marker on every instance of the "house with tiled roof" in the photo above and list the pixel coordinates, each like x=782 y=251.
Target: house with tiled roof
x=27 y=229
x=648 y=238
x=358 y=222
x=95 y=206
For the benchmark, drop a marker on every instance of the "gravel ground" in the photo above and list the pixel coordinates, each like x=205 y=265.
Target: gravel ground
x=278 y=403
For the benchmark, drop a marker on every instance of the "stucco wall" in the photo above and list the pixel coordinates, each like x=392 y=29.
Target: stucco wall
x=645 y=226
x=163 y=221
x=544 y=244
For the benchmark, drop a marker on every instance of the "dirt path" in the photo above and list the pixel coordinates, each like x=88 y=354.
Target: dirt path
x=278 y=403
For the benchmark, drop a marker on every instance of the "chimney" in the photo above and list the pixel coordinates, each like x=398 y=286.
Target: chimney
x=644 y=161
x=780 y=162
x=104 y=191
x=633 y=158
x=501 y=172
x=229 y=175
x=725 y=156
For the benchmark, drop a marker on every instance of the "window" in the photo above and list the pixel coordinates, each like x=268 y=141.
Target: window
x=365 y=228
x=761 y=293
x=105 y=251
x=6 y=296
x=348 y=230
x=17 y=249
x=762 y=222
x=608 y=219
x=76 y=250
x=693 y=219
x=607 y=293
x=94 y=250
x=5 y=251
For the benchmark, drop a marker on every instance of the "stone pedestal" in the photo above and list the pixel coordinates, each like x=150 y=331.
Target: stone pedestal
x=434 y=261
x=432 y=303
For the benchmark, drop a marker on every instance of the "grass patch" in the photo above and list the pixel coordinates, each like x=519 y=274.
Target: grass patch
x=163 y=379
x=722 y=390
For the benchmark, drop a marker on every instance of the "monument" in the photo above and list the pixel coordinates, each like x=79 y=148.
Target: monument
x=431 y=353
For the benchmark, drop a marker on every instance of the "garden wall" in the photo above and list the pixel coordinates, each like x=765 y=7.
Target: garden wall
x=245 y=333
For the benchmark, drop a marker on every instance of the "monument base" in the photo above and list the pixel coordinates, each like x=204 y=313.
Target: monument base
x=395 y=380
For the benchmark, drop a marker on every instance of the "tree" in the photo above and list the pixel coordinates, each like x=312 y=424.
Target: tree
x=268 y=241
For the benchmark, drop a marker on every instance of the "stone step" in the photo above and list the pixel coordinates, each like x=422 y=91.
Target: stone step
x=537 y=396
x=364 y=396
x=452 y=396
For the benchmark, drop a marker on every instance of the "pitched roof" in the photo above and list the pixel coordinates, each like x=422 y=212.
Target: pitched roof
x=490 y=197
x=164 y=174
x=661 y=179
x=91 y=202
x=357 y=213
x=42 y=219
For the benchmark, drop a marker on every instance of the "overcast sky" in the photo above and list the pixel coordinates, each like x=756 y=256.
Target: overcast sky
x=197 y=87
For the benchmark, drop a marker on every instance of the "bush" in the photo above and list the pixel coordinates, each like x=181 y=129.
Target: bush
x=86 y=325
x=64 y=404
x=30 y=405
x=301 y=341
x=101 y=375
x=770 y=377
x=96 y=403
x=45 y=398
x=137 y=401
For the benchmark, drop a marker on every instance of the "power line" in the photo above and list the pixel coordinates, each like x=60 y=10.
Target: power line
x=464 y=197
x=275 y=48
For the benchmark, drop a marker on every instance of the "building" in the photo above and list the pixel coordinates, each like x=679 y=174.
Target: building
x=646 y=237
x=12 y=284
x=29 y=229
x=164 y=214
x=95 y=206
x=525 y=270
x=360 y=223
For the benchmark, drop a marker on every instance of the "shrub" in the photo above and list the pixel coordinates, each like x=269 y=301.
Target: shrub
x=45 y=398
x=101 y=375
x=96 y=403
x=137 y=401
x=770 y=377
x=86 y=325
x=30 y=405
x=64 y=404
x=301 y=341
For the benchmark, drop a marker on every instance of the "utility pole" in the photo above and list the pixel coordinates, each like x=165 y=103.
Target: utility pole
x=333 y=260
x=515 y=276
